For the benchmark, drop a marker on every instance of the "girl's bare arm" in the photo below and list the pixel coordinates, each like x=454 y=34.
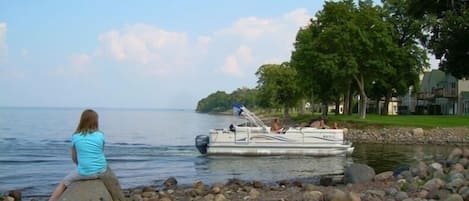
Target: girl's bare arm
x=74 y=155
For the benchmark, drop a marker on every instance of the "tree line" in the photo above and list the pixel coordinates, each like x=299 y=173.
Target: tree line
x=350 y=49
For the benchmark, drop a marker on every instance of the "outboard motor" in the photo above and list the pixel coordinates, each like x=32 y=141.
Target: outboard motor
x=201 y=142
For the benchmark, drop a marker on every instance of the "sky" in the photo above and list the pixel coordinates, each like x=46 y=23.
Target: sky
x=140 y=54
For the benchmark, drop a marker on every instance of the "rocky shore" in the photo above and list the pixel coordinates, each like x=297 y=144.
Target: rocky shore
x=401 y=135
x=436 y=179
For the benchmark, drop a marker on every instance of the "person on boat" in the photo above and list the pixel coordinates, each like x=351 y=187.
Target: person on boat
x=276 y=126
x=335 y=126
x=319 y=123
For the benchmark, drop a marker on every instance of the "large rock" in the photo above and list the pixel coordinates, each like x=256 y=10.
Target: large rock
x=358 y=173
x=112 y=184
x=85 y=191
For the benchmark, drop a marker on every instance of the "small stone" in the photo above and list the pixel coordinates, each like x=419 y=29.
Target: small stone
x=464 y=192
x=391 y=191
x=8 y=198
x=310 y=187
x=337 y=195
x=465 y=152
x=376 y=193
x=400 y=196
x=15 y=194
x=458 y=168
x=418 y=132
x=253 y=194
x=443 y=194
x=165 y=199
x=148 y=189
x=298 y=184
x=354 y=196
x=219 y=197
x=454 y=197
x=312 y=196
x=257 y=184
x=215 y=190
x=209 y=197
x=148 y=194
x=198 y=184
x=171 y=181
x=422 y=194
x=384 y=176
x=436 y=167
x=283 y=182
x=325 y=181
x=433 y=184
x=455 y=154
x=137 y=197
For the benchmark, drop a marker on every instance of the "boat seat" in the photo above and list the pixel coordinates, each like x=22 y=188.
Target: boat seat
x=251 y=129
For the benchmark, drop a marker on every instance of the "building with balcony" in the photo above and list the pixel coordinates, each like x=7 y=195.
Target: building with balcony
x=441 y=93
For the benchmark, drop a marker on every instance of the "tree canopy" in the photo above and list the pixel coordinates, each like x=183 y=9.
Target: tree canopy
x=277 y=85
x=447 y=32
x=359 y=48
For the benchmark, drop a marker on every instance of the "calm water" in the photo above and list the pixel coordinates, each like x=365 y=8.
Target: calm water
x=145 y=147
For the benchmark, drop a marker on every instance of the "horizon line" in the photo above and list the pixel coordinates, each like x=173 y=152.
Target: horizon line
x=97 y=107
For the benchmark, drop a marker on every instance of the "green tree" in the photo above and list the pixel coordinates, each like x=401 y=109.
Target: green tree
x=405 y=56
x=448 y=38
x=318 y=71
x=345 y=41
x=219 y=101
x=277 y=85
x=245 y=96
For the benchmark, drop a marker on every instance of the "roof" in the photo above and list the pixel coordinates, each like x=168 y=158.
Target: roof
x=431 y=79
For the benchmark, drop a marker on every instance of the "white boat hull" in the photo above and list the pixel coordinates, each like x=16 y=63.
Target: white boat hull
x=257 y=141
x=259 y=150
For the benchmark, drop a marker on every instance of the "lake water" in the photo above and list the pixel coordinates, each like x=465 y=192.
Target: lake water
x=145 y=147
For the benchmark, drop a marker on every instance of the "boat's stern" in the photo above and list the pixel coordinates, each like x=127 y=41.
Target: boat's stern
x=201 y=142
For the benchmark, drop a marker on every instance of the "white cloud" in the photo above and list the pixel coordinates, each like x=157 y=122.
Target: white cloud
x=234 y=62
x=78 y=64
x=3 y=42
x=266 y=39
x=236 y=50
x=231 y=66
x=299 y=17
x=155 y=50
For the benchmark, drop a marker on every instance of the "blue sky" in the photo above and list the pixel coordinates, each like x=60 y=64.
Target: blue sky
x=140 y=54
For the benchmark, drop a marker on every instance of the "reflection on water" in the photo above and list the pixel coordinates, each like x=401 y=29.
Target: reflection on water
x=268 y=168
x=380 y=157
x=385 y=157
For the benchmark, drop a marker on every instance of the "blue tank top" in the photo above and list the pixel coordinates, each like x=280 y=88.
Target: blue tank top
x=90 y=153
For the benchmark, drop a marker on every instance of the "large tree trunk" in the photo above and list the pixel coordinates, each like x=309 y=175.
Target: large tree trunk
x=285 y=112
x=362 y=111
x=350 y=102
x=378 y=109
x=337 y=107
x=361 y=87
x=347 y=101
x=302 y=107
x=324 y=109
x=386 y=103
